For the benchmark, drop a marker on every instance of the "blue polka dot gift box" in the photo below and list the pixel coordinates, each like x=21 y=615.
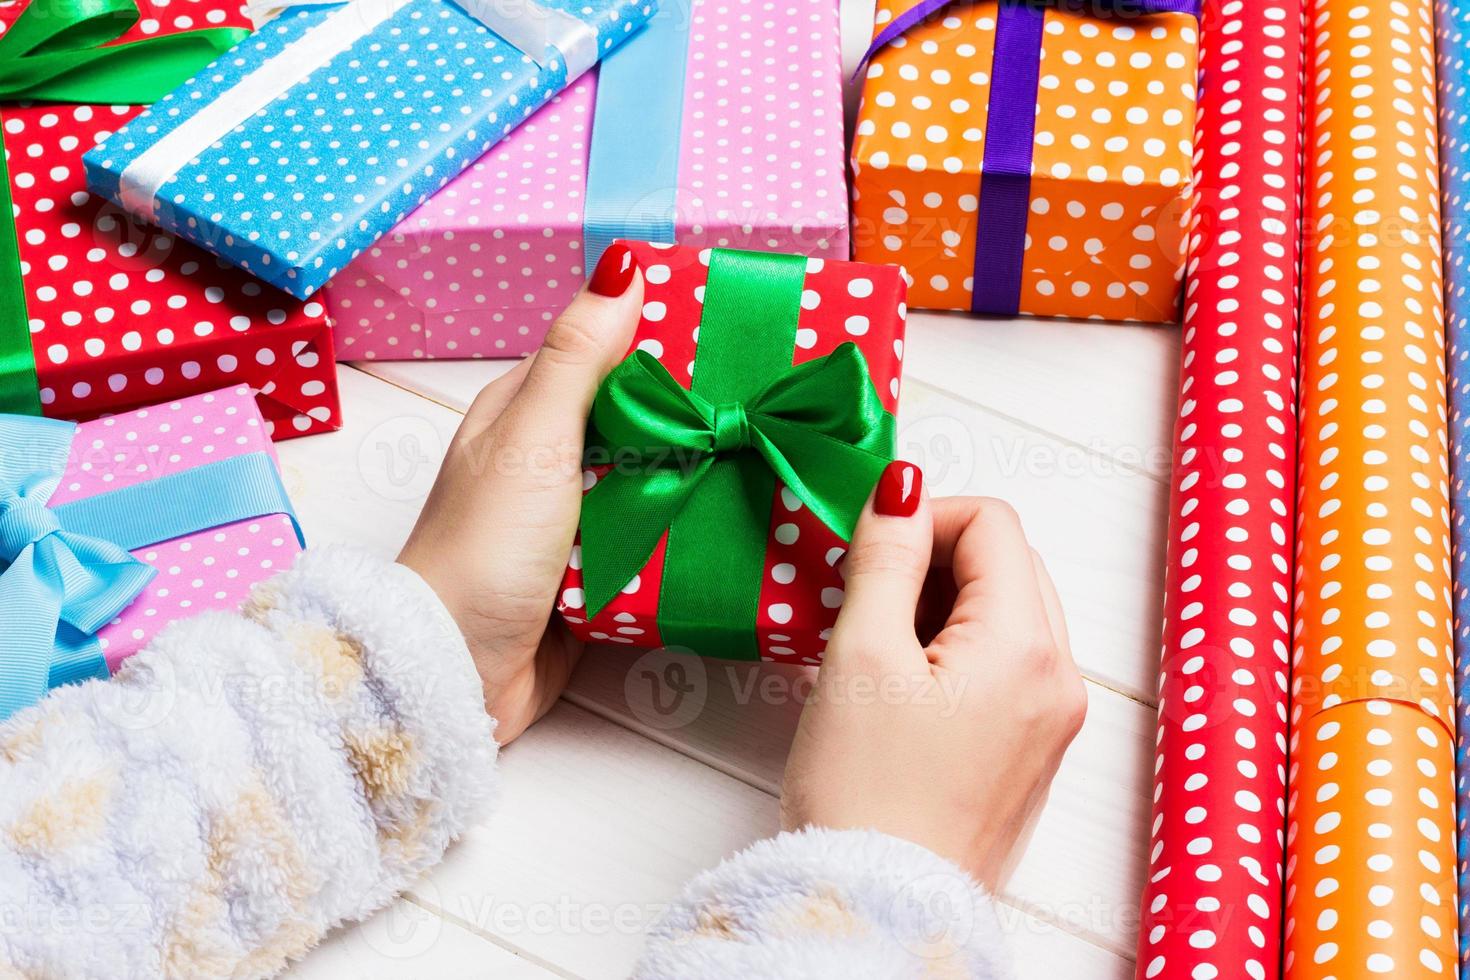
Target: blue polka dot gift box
x=1453 y=28
x=302 y=146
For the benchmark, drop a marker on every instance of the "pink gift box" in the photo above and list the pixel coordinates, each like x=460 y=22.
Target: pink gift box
x=483 y=267
x=211 y=569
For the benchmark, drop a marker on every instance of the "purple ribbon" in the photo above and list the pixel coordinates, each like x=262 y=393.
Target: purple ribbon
x=1010 y=142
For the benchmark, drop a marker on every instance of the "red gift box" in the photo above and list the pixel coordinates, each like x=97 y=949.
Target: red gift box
x=124 y=315
x=802 y=585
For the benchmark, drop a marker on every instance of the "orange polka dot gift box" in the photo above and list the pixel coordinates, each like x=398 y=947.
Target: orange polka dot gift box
x=103 y=314
x=1030 y=158
x=731 y=452
x=719 y=124
x=119 y=526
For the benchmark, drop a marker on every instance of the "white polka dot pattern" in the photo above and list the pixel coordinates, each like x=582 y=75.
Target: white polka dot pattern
x=1212 y=905
x=300 y=188
x=212 y=569
x=1370 y=827
x=482 y=268
x=801 y=588
x=123 y=315
x=1453 y=24
x=1110 y=162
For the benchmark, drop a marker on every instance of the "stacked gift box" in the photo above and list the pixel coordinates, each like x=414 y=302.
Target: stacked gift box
x=108 y=313
x=650 y=146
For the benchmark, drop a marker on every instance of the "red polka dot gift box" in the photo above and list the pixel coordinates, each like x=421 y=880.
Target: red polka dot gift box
x=731 y=452
x=719 y=124
x=1030 y=158
x=114 y=314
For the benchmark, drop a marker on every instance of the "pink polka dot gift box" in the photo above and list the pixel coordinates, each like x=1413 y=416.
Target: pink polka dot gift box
x=730 y=454
x=116 y=527
x=121 y=314
x=719 y=125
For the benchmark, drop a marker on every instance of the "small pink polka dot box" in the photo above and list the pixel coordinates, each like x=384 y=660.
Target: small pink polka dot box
x=210 y=569
x=758 y=162
x=122 y=314
x=1030 y=158
x=731 y=451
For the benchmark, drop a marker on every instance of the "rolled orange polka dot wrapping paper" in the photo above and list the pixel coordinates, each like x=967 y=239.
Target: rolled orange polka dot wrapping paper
x=1212 y=903
x=1370 y=874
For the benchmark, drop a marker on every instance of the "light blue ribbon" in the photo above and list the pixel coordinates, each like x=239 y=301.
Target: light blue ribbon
x=633 y=160
x=65 y=571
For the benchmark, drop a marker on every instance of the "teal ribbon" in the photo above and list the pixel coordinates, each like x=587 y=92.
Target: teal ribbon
x=633 y=181
x=65 y=571
x=703 y=464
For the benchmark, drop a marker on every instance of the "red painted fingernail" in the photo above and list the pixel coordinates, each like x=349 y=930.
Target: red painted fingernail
x=898 y=489
x=614 y=272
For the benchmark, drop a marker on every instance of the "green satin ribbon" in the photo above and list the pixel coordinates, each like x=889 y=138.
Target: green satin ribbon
x=60 y=51
x=20 y=391
x=703 y=463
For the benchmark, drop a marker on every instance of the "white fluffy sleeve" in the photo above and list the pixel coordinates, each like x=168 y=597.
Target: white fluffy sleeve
x=245 y=784
x=829 y=903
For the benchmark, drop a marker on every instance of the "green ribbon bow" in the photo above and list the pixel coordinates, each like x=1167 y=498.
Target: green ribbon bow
x=702 y=463
x=60 y=51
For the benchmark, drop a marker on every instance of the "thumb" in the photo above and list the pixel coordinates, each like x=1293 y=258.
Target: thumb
x=589 y=337
x=886 y=566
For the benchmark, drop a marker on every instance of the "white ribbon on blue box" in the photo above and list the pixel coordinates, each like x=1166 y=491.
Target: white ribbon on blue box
x=308 y=141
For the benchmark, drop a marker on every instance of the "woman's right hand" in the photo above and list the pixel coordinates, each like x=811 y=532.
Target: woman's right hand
x=948 y=694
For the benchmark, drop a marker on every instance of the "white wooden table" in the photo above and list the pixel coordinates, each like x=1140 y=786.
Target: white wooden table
x=624 y=790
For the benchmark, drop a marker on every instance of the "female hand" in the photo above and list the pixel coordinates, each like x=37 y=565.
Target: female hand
x=494 y=536
x=953 y=629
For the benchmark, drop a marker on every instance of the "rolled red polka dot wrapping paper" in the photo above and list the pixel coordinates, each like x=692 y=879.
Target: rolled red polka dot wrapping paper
x=1370 y=840
x=1212 y=904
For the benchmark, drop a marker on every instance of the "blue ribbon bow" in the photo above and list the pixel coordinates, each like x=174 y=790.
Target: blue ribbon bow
x=65 y=572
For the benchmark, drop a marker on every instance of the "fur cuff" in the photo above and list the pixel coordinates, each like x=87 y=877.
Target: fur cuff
x=414 y=661
x=820 y=903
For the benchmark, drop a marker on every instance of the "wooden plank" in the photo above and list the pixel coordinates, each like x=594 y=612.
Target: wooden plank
x=406 y=941
x=1106 y=386
x=1098 y=524
x=597 y=830
x=1086 y=864
x=1109 y=388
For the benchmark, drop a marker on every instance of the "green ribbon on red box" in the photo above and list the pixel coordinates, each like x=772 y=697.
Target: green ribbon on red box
x=702 y=463
x=64 y=51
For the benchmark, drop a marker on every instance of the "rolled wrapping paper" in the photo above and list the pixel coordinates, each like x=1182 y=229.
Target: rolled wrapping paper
x=1370 y=886
x=1212 y=904
x=1453 y=28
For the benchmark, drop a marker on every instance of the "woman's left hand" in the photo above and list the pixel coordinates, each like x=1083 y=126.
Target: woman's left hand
x=494 y=536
